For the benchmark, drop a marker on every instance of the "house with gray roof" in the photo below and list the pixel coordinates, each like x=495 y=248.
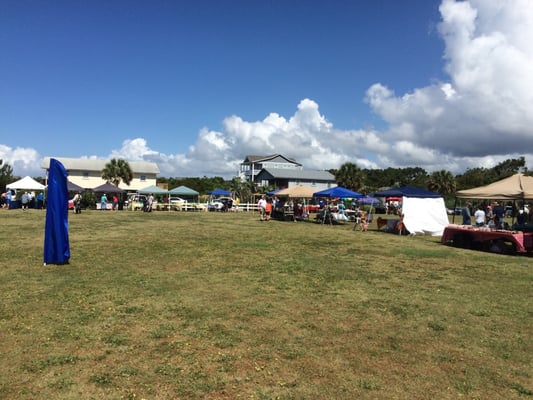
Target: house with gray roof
x=281 y=178
x=252 y=165
x=281 y=172
x=87 y=172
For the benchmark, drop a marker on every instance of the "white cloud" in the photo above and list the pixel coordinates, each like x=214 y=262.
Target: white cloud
x=479 y=116
x=485 y=108
x=23 y=160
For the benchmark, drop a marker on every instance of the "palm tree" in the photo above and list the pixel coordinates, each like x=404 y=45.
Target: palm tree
x=116 y=171
x=350 y=176
x=442 y=182
x=243 y=190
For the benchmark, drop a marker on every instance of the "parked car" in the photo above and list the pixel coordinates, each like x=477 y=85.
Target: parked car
x=220 y=204
x=176 y=200
x=176 y=203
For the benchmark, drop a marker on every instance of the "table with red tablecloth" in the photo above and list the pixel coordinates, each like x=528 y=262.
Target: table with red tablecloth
x=522 y=241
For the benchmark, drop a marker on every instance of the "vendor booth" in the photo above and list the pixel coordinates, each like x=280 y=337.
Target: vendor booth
x=518 y=187
x=422 y=211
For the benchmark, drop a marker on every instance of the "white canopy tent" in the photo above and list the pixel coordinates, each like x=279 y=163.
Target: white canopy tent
x=26 y=183
x=423 y=211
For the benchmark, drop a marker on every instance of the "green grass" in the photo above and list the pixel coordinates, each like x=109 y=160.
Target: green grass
x=171 y=305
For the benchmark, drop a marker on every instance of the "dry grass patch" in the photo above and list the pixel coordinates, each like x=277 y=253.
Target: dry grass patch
x=221 y=306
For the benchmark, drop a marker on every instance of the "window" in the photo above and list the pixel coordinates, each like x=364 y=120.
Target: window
x=142 y=178
x=85 y=175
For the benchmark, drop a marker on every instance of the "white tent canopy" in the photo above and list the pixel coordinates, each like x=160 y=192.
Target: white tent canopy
x=26 y=183
x=425 y=216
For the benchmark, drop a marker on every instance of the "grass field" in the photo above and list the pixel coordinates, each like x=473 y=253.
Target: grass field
x=170 y=305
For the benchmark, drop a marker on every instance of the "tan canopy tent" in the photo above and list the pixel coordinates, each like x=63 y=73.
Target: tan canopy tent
x=516 y=187
x=297 y=191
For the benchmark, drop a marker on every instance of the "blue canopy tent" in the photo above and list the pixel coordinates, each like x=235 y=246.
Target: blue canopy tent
x=408 y=191
x=423 y=211
x=368 y=200
x=371 y=201
x=220 y=192
x=338 y=191
x=273 y=192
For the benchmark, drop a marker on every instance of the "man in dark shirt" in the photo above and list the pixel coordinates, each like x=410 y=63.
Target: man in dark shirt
x=467 y=216
x=498 y=212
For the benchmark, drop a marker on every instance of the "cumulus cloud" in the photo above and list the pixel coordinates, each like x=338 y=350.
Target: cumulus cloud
x=23 y=160
x=478 y=116
x=485 y=107
x=307 y=136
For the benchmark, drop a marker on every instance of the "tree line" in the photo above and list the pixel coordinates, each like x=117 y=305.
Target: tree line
x=348 y=175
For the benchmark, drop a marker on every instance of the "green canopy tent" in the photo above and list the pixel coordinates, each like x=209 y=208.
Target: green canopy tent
x=152 y=189
x=155 y=190
x=184 y=192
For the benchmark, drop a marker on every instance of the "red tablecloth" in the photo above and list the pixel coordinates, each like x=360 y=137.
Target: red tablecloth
x=523 y=241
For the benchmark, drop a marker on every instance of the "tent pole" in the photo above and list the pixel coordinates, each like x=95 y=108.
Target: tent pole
x=454 y=207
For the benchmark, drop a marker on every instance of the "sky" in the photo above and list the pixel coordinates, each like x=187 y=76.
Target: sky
x=196 y=86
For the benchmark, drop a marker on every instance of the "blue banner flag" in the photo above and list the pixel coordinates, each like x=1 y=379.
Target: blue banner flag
x=56 y=244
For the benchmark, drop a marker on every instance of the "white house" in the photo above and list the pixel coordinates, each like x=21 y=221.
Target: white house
x=87 y=172
x=252 y=165
x=282 y=172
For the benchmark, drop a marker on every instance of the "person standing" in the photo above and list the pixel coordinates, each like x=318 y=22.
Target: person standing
x=25 y=200
x=9 y=197
x=150 y=203
x=467 y=216
x=479 y=216
x=115 y=202
x=498 y=212
x=77 y=203
x=103 y=202
x=40 y=201
x=262 y=206
x=268 y=209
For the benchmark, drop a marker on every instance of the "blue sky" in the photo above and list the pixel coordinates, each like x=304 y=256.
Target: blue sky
x=197 y=86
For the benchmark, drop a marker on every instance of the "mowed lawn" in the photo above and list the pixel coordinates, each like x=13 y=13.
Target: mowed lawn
x=175 y=305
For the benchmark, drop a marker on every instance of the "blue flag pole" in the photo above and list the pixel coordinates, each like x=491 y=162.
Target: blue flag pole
x=56 y=242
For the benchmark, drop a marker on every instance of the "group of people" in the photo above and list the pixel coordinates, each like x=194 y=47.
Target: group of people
x=27 y=200
x=104 y=200
x=265 y=208
x=490 y=215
